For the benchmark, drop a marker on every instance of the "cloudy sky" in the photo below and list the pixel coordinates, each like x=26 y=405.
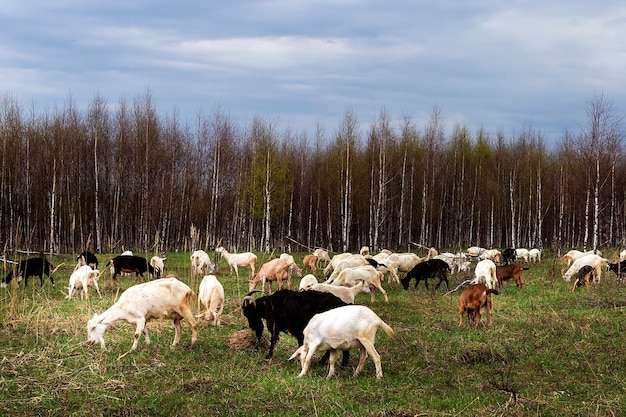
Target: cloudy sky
x=502 y=65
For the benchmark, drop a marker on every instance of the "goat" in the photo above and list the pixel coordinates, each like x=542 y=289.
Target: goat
x=87 y=258
x=622 y=255
x=575 y=254
x=236 y=260
x=342 y=328
x=28 y=268
x=534 y=255
x=83 y=278
x=349 y=262
x=322 y=255
x=475 y=251
x=512 y=271
x=346 y=294
x=201 y=263
x=351 y=276
x=522 y=254
x=211 y=295
x=428 y=269
x=128 y=264
x=158 y=266
x=160 y=299
x=286 y=311
x=596 y=261
x=619 y=268
x=330 y=267
x=401 y=262
x=492 y=254
x=472 y=300
x=310 y=262
x=274 y=270
x=584 y=276
x=509 y=256
x=307 y=281
x=485 y=273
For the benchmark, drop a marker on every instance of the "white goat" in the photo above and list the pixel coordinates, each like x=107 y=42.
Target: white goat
x=84 y=277
x=485 y=273
x=158 y=265
x=351 y=276
x=342 y=328
x=211 y=295
x=347 y=294
x=322 y=255
x=127 y=253
x=201 y=263
x=334 y=261
x=593 y=260
x=523 y=254
x=307 y=281
x=475 y=251
x=622 y=255
x=349 y=262
x=493 y=254
x=534 y=255
x=236 y=260
x=401 y=262
x=166 y=298
x=574 y=254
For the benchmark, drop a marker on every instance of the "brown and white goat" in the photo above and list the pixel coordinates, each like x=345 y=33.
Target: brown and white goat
x=584 y=276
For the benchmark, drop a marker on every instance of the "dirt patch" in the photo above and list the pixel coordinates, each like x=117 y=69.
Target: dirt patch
x=246 y=340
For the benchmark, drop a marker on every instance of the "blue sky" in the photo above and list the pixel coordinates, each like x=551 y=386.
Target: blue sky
x=502 y=65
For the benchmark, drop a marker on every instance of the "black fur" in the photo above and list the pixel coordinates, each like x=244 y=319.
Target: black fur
x=31 y=267
x=428 y=269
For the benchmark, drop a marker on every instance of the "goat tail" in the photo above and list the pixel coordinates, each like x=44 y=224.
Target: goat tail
x=387 y=328
x=492 y=291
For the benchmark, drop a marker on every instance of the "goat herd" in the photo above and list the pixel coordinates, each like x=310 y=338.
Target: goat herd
x=321 y=316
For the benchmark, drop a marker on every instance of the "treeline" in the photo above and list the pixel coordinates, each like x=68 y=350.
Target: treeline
x=114 y=177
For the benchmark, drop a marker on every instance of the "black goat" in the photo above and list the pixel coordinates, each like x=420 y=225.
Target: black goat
x=619 y=268
x=286 y=311
x=28 y=268
x=509 y=256
x=428 y=269
x=87 y=258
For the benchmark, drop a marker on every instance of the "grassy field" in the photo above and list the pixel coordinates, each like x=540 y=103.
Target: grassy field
x=549 y=352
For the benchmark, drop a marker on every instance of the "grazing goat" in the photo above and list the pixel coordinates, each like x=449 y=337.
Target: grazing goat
x=346 y=294
x=286 y=311
x=129 y=264
x=472 y=300
x=166 y=298
x=87 y=258
x=310 y=262
x=349 y=262
x=274 y=270
x=493 y=254
x=574 y=254
x=432 y=268
x=619 y=268
x=31 y=267
x=83 y=278
x=351 y=276
x=596 y=261
x=401 y=262
x=485 y=273
x=211 y=295
x=342 y=328
x=307 y=281
x=513 y=271
x=456 y=261
x=509 y=256
x=201 y=263
x=522 y=254
x=322 y=255
x=236 y=260
x=475 y=251
x=584 y=276
x=622 y=255
x=534 y=255
x=157 y=266
x=330 y=267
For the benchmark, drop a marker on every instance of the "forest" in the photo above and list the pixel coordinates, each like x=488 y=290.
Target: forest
x=117 y=176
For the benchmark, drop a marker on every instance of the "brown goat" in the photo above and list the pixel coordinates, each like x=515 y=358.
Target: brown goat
x=310 y=262
x=584 y=276
x=472 y=300
x=512 y=271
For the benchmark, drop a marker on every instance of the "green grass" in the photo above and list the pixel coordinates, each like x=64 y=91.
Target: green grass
x=549 y=352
